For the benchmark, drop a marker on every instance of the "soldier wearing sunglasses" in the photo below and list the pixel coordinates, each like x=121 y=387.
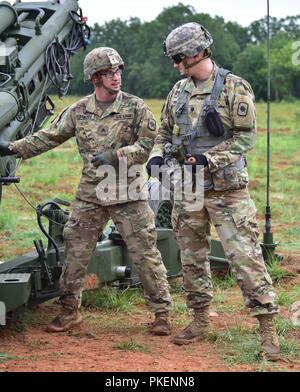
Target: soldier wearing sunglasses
x=210 y=115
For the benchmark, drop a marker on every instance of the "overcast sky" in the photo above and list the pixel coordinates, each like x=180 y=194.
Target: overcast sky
x=241 y=11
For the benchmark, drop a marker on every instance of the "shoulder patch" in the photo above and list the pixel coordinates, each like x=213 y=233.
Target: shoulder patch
x=243 y=109
x=152 y=124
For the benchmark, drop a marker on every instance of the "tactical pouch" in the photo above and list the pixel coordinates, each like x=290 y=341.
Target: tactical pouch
x=213 y=122
x=174 y=151
x=231 y=177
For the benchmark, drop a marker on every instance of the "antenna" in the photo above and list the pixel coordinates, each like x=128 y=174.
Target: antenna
x=268 y=244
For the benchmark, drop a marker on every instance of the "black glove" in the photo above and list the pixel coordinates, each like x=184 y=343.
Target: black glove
x=5 y=150
x=199 y=159
x=105 y=158
x=155 y=161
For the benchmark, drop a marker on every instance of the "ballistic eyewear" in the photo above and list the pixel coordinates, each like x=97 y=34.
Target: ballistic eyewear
x=111 y=74
x=178 y=58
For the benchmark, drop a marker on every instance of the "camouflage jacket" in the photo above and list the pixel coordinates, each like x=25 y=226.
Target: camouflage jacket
x=235 y=107
x=127 y=125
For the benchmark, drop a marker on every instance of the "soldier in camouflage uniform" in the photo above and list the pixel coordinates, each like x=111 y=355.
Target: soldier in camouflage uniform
x=211 y=115
x=109 y=125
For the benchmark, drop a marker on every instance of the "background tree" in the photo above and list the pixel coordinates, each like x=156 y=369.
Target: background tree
x=149 y=74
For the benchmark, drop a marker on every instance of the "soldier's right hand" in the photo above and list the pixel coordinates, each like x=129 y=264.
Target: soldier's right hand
x=155 y=161
x=5 y=149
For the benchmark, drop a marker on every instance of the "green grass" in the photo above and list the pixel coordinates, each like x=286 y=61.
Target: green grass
x=223 y=302
x=220 y=297
x=289 y=348
x=239 y=345
x=176 y=286
x=8 y=220
x=225 y=282
x=181 y=309
x=284 y=326
x=109 y=321
x=132 y=345
x=6 y=357
x=276 y=271
x=57 y=172
x=109 y=298
x=287 y=296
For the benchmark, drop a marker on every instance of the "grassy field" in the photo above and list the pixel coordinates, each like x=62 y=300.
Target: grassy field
x=56 y=174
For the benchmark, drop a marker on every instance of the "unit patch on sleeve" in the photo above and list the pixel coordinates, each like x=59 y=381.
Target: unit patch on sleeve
x=152 y=124
x=243 y=109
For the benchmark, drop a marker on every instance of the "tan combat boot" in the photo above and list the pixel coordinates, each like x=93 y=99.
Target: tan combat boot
x=161 y=325
x=196 y=330
x=269 y=339
x=66 y=320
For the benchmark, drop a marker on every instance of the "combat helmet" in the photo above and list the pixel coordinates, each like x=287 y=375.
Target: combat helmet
x=187 y=39
x=101 y=58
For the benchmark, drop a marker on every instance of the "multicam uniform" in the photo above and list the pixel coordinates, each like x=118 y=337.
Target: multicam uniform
x=227 y=203
x=127 y=125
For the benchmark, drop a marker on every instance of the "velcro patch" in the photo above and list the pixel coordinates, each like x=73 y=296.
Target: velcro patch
x=152 y=124
x=243 y=109
x=113 y=59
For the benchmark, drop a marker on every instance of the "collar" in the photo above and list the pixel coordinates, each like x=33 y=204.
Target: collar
x=204 y=87
x=91 y=106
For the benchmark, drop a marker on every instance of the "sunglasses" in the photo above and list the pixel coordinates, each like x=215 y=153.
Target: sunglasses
x=178 y=58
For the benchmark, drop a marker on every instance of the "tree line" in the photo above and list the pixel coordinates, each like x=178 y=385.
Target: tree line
x=243 y=50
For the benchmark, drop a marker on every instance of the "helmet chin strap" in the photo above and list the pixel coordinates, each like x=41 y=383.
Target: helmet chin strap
x=187 y=66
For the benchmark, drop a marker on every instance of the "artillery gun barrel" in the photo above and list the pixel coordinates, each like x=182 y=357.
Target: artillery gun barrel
x=32 y=60
x=8 y=16
x=37 y=40
x=36 y=46
x=9 y=108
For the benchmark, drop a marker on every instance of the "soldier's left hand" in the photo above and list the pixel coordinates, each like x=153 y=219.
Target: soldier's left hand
x=105 y=158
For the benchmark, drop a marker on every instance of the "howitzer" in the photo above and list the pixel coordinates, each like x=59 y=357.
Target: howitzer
x=36 y=42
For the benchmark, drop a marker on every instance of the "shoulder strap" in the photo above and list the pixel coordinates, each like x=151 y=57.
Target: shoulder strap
x=217 y=88
x=182 y=100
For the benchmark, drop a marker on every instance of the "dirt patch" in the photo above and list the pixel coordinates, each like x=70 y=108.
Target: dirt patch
x=255 y=184
x=120 y=342
x=273 y=130
x=91 y=348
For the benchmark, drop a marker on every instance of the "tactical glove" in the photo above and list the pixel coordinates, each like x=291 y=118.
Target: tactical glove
x=5 y=149
x=105 y=158
x=155 y=161
x=196 y=159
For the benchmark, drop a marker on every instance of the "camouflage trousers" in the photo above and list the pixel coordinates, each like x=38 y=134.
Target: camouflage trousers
x=233 y=214
x=135 y=223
